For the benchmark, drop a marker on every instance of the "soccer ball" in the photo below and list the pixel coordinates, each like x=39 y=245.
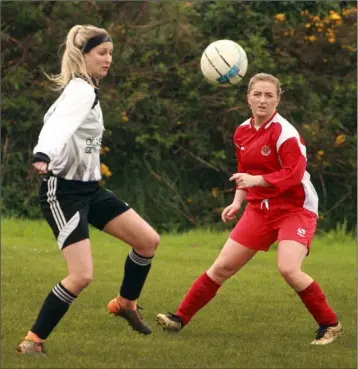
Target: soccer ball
x=224 y=63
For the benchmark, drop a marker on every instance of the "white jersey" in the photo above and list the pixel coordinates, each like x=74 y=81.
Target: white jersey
x=72 y=133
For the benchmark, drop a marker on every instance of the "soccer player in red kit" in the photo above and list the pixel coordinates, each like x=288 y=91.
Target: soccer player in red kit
x=282 y=206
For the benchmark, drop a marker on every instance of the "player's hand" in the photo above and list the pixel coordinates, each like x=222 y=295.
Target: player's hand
x=41 y=167
x=229 y=213
x=244 y=180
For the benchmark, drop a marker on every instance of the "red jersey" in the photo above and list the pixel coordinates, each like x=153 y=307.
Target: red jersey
x=277 y=152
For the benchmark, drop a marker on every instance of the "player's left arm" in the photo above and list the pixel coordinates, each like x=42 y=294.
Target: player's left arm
x=294 y=164
x=293 y=161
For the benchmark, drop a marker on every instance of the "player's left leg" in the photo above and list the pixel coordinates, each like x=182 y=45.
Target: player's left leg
x=115 y=217
x=295 y=235
x=136 y=232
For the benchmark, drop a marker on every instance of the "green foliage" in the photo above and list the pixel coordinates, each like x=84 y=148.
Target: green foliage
x=168 y=130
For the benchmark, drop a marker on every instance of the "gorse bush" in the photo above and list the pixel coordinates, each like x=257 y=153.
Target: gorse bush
x=168 y=132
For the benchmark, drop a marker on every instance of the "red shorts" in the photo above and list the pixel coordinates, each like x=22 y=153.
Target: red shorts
x=258 y=229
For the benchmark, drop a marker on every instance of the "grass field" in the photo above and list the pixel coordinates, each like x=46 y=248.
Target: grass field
x=255 y=321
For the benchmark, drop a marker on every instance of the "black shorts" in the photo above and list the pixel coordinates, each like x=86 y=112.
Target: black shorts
x=69 y=206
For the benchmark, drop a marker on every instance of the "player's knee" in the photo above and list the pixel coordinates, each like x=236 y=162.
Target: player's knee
x=155 y=240
x=222 y=272
x=149 y=244
x=288 y=271
x=83 y=280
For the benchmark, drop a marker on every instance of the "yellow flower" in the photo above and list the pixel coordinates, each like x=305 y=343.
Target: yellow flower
x=316 y=18
x=311 y=38
x=280 y=17
x=335 y=17
x=308 y=25
x=214 y=192
x=330 y=33
x=340 y=139
x=348 y=11
x=104 y=149
x=320 y=153
x=331 y=40
x=124 y=117
x=351 y=48
x=105 y=170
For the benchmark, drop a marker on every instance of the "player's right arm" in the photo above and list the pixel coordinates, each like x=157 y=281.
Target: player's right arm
x=229 y=213
x=40 y=162
x=63 y=122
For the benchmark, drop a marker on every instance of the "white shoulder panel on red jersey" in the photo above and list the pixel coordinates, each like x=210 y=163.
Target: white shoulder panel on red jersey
x=288 y=131
x=247 y=122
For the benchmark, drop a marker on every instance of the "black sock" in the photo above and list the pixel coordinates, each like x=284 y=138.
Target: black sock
x=53 y=309
x=136 y=269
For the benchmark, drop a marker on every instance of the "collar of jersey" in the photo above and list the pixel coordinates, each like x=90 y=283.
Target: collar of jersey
x=265 y=125
x=96 y=87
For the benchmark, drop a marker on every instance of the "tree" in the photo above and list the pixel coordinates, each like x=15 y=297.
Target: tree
x=168 y=132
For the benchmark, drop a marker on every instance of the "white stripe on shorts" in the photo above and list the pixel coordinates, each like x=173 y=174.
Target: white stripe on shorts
x=68 y=229
x=54 y=204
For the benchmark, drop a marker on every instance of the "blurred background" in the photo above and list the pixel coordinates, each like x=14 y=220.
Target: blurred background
x=167 y=148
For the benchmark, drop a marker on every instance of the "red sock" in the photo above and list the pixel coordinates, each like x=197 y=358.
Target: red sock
x=199 y=294
x=315 y=302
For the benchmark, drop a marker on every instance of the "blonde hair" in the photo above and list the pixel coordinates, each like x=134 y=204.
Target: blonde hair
x=73 y=63
x=267 y=78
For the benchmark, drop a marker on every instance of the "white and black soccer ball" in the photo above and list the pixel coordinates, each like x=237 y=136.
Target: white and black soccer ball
x=224 y=63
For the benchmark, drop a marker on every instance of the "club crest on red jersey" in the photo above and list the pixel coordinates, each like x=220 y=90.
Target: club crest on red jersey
x=265 y=150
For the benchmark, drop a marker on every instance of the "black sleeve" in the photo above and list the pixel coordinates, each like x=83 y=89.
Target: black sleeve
x=39 y=156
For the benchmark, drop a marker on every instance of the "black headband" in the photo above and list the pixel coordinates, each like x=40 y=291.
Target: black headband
x=93 y=42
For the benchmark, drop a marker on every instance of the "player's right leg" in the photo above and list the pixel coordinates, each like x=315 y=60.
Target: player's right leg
x=68 y=219
x=231 y=259
x=79 y=263
x=251 y=234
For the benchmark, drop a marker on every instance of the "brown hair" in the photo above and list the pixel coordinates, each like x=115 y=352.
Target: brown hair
x=268 y=78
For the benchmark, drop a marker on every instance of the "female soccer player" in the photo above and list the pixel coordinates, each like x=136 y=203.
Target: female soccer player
x=67 y=155
x=282 y=206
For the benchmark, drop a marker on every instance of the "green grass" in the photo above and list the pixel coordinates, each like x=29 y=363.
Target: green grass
x=255 y=321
